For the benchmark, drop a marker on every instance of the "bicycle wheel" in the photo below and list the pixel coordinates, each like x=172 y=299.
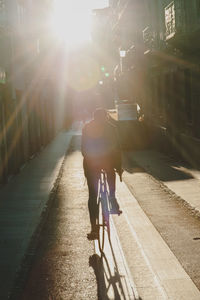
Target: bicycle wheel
x=101 y=226
x=107 y=224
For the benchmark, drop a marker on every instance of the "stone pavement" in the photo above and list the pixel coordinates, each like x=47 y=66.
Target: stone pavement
x=22 y=202
x=180 y=179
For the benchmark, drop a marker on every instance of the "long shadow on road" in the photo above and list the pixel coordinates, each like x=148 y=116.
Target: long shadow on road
x=111 y=283
x=156 y=164
x=105 y=278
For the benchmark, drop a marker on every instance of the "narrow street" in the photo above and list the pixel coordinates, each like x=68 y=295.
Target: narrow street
x=154 y=248
x=87 y=81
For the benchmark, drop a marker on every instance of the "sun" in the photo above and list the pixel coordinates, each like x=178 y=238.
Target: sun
x=71 y=22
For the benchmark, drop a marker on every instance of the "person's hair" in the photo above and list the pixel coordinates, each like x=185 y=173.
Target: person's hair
x=100 y=114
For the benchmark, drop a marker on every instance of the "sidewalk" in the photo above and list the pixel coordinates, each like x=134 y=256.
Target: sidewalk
x=156 y=271
x=22 y=202
x=179 y=179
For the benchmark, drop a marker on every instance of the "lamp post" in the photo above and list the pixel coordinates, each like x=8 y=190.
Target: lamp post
x=122 y=54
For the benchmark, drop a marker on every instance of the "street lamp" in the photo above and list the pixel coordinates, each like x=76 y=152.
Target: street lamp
x=122 y=54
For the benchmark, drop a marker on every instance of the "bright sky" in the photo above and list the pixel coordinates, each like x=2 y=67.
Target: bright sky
x=98 y=3
x=71 y=19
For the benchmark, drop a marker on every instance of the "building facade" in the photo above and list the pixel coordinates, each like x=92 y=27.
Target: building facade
x=27 y=107
x=172 y=62
x=160 y=68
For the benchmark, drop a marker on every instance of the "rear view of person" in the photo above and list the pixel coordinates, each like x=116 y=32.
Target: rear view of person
x=101 y=150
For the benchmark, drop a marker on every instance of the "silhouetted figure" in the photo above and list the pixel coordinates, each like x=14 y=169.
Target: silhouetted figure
x=101 y=150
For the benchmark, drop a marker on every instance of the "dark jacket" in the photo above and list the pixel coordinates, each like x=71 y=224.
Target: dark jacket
x=100 y=146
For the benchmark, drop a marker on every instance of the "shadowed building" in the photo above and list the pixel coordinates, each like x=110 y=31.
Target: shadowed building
x=160 y=67
x=27 y=109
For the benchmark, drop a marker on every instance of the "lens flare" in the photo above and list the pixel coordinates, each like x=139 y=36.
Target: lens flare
x=71 y=22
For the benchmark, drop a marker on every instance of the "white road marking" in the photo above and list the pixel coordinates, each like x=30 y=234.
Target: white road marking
x=155 y=278
x=117 y=276
x=129 y=276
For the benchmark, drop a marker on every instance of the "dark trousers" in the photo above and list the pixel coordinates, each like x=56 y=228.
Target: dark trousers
x=93 y=176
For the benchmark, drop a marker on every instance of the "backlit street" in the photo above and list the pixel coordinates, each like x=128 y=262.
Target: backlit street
x=154 y=247
x=99 y=150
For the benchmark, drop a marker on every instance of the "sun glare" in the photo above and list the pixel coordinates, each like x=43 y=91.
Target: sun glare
x=71 y=22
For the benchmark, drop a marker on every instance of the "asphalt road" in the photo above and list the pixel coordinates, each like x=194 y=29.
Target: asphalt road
x=61 y=266
x=65 y=265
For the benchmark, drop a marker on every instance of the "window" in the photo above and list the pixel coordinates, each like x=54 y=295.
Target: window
x=170 y=19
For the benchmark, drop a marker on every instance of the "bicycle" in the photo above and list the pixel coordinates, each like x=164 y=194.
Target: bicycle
x=104 y=207
x=103 y=221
